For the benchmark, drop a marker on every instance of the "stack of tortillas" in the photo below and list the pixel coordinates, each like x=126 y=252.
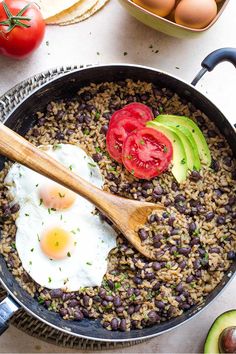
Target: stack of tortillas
x=66 y=12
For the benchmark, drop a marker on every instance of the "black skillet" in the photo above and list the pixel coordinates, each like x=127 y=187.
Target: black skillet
x=66 y=86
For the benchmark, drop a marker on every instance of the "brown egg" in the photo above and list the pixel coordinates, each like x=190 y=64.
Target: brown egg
x=195 y=13
x=158 y=7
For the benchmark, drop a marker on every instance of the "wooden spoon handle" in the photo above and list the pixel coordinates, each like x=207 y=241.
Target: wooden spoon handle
x=18 y=149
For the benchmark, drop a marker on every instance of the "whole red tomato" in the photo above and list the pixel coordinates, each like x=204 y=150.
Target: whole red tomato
x=22 y=28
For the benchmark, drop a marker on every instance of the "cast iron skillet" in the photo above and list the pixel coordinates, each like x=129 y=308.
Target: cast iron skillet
x=66 y=86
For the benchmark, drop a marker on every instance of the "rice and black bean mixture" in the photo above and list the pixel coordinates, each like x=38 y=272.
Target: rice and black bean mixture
x=194 y=239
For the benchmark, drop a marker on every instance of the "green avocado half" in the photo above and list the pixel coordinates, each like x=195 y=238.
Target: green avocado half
x=227 y=319
x=180 y=168
x=200 y=141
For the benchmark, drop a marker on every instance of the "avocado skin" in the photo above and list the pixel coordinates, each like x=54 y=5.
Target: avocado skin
x=180 y=168
x=198 y=136
x=227 y=319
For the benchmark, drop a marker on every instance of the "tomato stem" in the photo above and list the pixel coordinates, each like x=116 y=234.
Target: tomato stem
x=15 y=20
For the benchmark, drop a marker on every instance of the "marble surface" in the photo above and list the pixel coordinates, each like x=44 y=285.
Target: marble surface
x=105 y=38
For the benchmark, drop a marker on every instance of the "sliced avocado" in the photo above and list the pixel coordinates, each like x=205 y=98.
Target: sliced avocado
x=192 y=150
x=180 y=168
x=200 y=141
x=227 y=319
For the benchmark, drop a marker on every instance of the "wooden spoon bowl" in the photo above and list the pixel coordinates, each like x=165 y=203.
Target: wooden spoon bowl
x=126 y=215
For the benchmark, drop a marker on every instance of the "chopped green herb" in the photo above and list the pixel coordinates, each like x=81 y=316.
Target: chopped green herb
x=61 y=195
x=89 y=263
x=129 y=157
x=112 y=168
x=91 y=164
x=193 y=285
x=117 y=285
x=30 y=262
x=86 y=132
x=32 y=250
x=142 y=142
x=75 y=243
x=97 y=115
x=37 y=185
x=183 y=161
x=165 y=149
x=40 y=201
x=175 y=253
x=26 y=214
x=132 y=171
x=49 y=279
x=97 y=149
x=61 y=217
x=13 y=245
x=60 y=269
x=70 y=167
x=47 y=43
x=98 y=53
x=133 y=297
x=40 y=300
x=38 y=237
x=56 y=147
x=160 y=109
x=68 y=254
x=168 y=265
x=196 y=232
x=78 y=229
x=177 y=67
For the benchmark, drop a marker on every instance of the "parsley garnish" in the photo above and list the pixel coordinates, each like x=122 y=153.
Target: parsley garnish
x=49 y=279
x=32 y=250
x=26 y=214
x=97 y=149
x=91 y=164
x=56 y=146
x=37 y=185
x=142 y=142
x=40 y=201
x=165 y=149
x=183 y=161
x=133 y=297
x=13 y=245
x=40 y=300
x=68 y=254
x=86 y=132
x=70 y=167
x=61 y=195
x=132 y=171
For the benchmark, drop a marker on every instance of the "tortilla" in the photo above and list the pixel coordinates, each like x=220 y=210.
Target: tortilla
x=78 y=10
x=50 y=8
x=99 y=4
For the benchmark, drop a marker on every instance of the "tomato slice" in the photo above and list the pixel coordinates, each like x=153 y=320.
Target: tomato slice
x=117 y=133
x=140 y=110
x=146 y=153
x=120 y=113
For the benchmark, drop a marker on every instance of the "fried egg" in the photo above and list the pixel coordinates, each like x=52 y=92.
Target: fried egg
x=60 y=241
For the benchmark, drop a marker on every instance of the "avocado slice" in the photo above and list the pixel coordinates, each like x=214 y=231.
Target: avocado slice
x=227 y=319
x=190 y=147
x=180 y=168
x=197 y=135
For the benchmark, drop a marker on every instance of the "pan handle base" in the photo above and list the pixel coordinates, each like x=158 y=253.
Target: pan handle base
x=7 y=309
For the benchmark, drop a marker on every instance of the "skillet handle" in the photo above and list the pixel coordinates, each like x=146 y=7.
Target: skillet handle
x=213 y=59
x=7 y=309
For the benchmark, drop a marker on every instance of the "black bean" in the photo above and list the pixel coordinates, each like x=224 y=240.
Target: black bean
x=144 y=193
x=193 y=202
x=156 y=286
x=117 y=301
x=174 y=186
x=149 y=275
x=189 y=279
x=41 y=122
x=215 y=165
x=97 y=298
x=90 y=108
x=195 y=241
x=159 y=304
x=232 y=200
x=211 y=133
x=137 y=292
x=178 y=298
x=165 y=215
x=157 y=244
x=107 y=115
x=220 y=220
x=73 y=303
x=111 y=177
x=153 y=316
x=7 y=213
x=66 y=296
x=185 y=306
x=104 y=303
x=192 y=227
x=181 y=208
x=143 y=234
x=182 y=264
x=114 y=324
x=56 y=293
x=179 y=288
x=104 y=129
x=197 y=264
x=59 y=136
x=147 y=185
x=228 y=207
x=158 y=190
x=201 y=194
x=113 y=189
x=80 y=118
x=123 y=325
x=210 y=215
x=69 y=132
x=167 y=203
x=157 y=237
x=174 y=231
x=198 y=273
x=137 y=280
x=15 y=208
x=173 y=249
x=233 y=215
x=231 y=255
x=184 y=250
x=47 y=303
x=63 y=312
x=179 y=198
x=131 y=310
x=171 y=220
x=214 y=250
x=152 y=219
x=97 y=157
x=81 y=107
x=102 y=293
x=137 y=308
x=106 y=324
x=134 y=323
x=86 y=96
x=228 y=161
x=195 y=176
x=86 y=300
x=78 y=315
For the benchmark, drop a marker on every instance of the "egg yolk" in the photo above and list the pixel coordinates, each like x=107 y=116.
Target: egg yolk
x=56 y=196
x=56 y=243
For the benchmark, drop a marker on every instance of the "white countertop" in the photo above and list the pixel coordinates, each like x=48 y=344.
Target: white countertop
x=103 y=39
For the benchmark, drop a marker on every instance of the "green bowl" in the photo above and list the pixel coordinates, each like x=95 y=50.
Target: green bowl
x=164 y=24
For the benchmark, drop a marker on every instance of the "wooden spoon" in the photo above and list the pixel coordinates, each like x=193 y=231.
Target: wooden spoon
x=127 y=215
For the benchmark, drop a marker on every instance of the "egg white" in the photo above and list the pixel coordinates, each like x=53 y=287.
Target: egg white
x=93 y=239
